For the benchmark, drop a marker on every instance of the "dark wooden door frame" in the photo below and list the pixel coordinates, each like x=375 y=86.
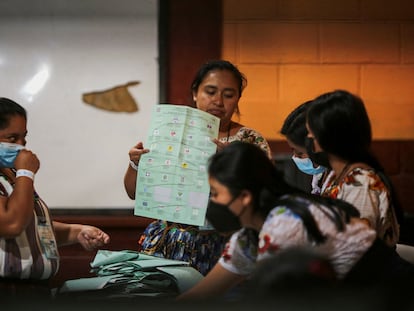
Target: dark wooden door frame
x=190 y=33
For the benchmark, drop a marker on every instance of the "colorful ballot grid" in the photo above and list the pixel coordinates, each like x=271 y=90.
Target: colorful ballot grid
x=172 y=179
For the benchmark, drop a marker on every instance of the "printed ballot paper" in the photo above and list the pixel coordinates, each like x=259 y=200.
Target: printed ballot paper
x=172 y=179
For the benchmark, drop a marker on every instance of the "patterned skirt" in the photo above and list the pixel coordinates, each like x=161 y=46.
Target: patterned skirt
x=200 y=248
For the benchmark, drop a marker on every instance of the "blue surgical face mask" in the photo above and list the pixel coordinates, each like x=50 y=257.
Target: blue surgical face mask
x=306 y=165
x=8 y=153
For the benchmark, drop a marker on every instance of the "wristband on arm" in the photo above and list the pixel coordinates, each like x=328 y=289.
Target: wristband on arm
x=24 y=173
x=133 y=165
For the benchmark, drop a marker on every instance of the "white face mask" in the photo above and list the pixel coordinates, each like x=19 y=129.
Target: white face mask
x=306 y=165
x=8 y=153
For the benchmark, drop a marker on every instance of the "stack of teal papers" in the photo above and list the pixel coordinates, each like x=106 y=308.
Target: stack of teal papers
x=134 y=272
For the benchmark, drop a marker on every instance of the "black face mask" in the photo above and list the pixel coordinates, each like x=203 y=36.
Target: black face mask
x=320 y=157
x=222 y=219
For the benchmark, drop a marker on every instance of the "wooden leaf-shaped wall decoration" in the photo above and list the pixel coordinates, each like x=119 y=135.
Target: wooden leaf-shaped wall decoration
x=116 y=99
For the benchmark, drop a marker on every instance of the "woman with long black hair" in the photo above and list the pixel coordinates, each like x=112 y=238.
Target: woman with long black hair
x=247 y=190
x=340 y=138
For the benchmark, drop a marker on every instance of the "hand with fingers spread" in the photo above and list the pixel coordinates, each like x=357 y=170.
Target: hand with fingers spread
x=92 y=238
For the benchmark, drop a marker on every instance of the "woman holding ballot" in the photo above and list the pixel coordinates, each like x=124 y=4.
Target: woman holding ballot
x=216 y=89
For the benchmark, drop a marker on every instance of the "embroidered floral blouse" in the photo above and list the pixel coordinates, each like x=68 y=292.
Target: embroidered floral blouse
x=282 y=228
x=364 y=189
x=249 y=135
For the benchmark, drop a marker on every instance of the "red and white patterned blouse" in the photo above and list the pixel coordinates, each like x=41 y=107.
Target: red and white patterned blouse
x=364 y=189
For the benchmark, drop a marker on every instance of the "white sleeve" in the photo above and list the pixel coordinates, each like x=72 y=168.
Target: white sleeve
x=239 y=255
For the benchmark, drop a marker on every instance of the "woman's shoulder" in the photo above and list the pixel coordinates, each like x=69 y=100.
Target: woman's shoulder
x=294 y=207
x=285 y=212
x=250 y=135
x=248 y=131
x=359 y=174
